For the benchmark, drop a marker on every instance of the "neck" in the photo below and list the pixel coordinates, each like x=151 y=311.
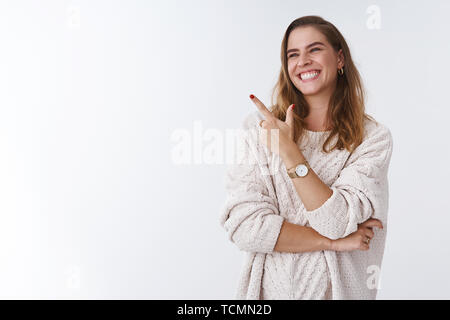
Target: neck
x=318 y=109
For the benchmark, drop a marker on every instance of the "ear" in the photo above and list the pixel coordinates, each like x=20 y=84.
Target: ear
x=341 y=61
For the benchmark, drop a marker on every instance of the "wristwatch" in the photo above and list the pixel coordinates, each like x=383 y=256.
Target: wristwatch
x=300 y=170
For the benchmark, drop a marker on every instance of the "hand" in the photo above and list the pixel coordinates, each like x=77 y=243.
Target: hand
x=357 y=240
x=285 y=128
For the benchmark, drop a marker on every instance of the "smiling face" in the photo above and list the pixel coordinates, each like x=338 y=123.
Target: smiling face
x=312 y=62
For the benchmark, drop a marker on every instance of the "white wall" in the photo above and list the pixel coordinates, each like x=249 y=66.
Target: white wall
x=92 y=204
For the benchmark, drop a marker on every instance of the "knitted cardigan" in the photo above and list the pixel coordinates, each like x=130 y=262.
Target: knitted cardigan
x=260 y=196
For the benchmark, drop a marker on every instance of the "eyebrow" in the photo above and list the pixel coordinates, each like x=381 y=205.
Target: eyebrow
x=309 y=45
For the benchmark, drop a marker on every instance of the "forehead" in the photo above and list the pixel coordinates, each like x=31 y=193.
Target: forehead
x=302 y=36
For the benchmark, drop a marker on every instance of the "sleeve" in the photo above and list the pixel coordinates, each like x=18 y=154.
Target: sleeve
x=361 y=190
x=250 y=215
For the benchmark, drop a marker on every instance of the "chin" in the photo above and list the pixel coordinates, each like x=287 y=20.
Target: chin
x=309 y=91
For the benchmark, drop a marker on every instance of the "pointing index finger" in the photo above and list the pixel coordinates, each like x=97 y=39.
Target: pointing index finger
x=266 y=112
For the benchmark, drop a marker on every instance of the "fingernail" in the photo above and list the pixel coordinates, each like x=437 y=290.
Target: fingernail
x=293 y=106
x=252 y=96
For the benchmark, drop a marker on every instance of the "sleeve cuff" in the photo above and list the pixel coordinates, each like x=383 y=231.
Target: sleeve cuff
x=266 y=240
x=330 y=219
x=270 y=240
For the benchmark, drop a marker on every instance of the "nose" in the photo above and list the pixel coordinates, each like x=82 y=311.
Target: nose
x=303 y=60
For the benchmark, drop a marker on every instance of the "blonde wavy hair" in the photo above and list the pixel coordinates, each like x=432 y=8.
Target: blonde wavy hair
x=346 y=111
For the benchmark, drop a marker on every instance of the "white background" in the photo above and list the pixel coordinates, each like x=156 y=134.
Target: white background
x=91 y=203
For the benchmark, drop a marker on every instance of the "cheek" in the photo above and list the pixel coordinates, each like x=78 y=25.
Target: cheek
x=291 y=68
x=330 y=62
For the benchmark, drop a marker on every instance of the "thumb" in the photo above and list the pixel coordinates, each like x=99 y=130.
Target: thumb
x=290 y=118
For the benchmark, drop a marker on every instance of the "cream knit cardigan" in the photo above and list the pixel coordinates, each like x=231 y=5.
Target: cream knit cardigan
x=260 y=196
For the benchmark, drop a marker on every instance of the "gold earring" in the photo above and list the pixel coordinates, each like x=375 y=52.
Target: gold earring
x=341 y=71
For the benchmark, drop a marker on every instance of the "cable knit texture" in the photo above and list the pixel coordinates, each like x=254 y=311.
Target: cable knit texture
x=260 y=196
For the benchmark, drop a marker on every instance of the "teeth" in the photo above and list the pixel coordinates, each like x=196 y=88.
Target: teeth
x=309 y=75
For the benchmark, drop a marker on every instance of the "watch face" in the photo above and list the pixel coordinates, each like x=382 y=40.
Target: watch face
x=301 y=170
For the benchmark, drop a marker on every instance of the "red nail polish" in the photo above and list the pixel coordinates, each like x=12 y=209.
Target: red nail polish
x=252 y=96
x=293 y=106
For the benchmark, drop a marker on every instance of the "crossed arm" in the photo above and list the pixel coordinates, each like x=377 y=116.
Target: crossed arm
x=253 y=222
x=337 y=212
x=295 y=238
x=313 y=192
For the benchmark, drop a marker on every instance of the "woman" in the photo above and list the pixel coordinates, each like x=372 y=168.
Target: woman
x=307 y=227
